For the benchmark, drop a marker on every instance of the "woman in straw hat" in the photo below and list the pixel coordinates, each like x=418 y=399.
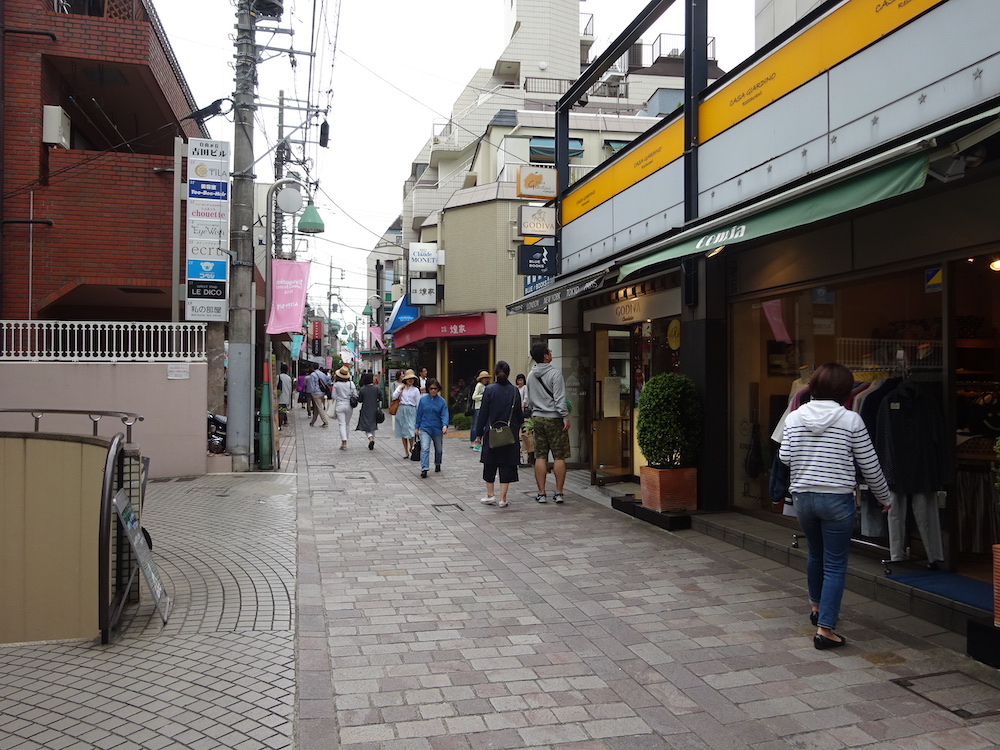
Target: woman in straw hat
x=482 y=380
x=406 y=415
x=343 y=391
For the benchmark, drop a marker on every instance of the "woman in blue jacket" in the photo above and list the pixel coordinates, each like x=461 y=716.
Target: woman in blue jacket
x=432 y=421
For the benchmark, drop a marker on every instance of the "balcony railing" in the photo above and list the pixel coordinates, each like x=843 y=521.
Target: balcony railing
x=559 y=86
x=101 y=341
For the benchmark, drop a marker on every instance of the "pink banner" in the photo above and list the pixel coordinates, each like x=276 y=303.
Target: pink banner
x=289 y=280
x=376 y=333
x=772 y=311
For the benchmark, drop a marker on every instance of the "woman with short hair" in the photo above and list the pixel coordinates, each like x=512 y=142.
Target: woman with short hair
x=821 y=444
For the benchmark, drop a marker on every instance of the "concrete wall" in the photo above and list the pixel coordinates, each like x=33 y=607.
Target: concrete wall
x=172 y=434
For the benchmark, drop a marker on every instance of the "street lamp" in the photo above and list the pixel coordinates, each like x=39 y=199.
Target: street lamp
x=310 y=223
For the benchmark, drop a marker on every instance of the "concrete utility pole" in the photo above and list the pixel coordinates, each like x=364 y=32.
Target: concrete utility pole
x=241 y=303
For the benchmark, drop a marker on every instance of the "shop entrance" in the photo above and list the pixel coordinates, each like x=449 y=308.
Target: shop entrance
x=611 y=405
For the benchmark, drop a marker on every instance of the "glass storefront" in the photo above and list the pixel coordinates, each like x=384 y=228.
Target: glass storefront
x=893 y=331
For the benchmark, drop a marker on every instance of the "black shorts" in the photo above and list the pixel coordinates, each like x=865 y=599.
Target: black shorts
x=508 y=473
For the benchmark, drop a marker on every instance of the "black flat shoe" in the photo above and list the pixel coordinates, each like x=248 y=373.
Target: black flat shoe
x=371 y=445
x=437 y=468
x=821 y=641
x=423 y=474
x=814 y=618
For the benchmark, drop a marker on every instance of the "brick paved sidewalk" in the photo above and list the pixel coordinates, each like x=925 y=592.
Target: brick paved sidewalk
x=428 y=620
x=413 y=617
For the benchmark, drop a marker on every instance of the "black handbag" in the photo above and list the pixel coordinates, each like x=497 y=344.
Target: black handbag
x=415 y=453
x=502 y=435
x=379 y=416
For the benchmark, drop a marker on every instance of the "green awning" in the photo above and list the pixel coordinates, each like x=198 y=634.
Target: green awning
x=894 y=179
x=615 y=146
x=541 y=147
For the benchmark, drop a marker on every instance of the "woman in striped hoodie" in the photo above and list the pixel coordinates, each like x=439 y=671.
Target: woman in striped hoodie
x=821 y=444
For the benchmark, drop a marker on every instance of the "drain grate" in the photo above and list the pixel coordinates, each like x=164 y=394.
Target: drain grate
x=964 y=695
x=447 y=506
x=353 y=476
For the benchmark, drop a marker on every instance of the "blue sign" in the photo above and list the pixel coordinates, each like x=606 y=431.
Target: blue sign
x=214 y=270
x=402 y=313
x=208 y=190
x=533 y=284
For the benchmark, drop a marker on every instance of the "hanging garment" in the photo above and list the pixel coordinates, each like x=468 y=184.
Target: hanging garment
x=925 y=513
x=909 y=440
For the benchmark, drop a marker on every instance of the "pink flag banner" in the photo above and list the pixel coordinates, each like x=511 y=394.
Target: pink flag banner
x=772 y=311
x=289 y=281
x=376 y=333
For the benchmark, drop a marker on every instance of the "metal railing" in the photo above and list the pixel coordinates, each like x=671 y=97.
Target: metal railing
x=128 y=418
x=101 y=341
x=559 y=86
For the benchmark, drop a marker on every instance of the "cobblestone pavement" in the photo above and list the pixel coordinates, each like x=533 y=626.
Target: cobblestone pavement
x=412 y=617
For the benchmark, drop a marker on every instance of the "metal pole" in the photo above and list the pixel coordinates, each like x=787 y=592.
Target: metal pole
x=241 y=303
x=695 y=81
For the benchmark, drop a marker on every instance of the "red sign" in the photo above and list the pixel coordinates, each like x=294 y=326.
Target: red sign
x=316 y=326
x=447 y=326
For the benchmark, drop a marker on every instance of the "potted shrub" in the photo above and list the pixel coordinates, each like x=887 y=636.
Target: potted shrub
x=669 y=435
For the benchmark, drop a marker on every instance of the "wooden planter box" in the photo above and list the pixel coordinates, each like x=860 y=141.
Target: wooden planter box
x=669 y=490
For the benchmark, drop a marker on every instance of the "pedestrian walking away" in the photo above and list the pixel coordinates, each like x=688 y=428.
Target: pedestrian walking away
x=313 y=381
x=482 y=380
x=404 y=422
x=343 y=393
x=432 y=422
x=550 y=417
x=284 y=396
x=422 y=380
x=370 y=398
x=821 y=444
x=501 y=407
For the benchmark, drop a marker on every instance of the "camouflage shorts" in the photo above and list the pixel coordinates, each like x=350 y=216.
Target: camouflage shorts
x=549 y=436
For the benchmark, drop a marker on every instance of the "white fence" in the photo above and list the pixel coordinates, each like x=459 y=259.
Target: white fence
x=101 y=341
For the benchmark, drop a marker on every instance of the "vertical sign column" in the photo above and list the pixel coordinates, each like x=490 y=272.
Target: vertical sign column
x=207 y=245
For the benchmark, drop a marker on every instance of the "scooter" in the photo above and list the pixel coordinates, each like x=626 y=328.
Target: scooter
x=216 y=433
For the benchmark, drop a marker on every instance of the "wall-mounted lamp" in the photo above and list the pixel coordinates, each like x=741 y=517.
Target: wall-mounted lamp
x=715 y=251
x=995 y=263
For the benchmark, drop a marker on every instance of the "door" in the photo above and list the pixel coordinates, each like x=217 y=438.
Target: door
x=571 y=357
x=611 y=405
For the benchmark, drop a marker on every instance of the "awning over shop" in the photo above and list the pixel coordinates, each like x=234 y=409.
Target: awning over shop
x=894 y=179
x=569 y=287
x=615 y=146
x=541 y=147
x=447 y=326
x=402 y=313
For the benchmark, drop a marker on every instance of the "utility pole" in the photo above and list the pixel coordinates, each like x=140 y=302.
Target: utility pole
x=241 y=304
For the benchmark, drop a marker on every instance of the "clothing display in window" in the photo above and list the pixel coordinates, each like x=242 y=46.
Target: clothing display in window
x=910 y=441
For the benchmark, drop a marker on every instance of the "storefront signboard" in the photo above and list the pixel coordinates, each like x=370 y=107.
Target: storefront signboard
x=423 y=257
x=207 y=235
x=143 y=554
x=536 y=260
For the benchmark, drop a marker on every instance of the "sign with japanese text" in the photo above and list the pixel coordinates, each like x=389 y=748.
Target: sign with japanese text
x=423 y=291
x=207 y=230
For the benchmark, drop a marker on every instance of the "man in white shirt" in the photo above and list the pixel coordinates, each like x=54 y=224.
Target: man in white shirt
x=423 y=380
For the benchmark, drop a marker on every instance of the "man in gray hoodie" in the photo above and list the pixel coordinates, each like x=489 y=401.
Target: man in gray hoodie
x=546 y=395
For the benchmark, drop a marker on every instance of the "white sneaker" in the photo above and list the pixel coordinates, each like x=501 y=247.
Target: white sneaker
x=488 y=500
x=557 y=498
x=540 y=498
x=502 y=504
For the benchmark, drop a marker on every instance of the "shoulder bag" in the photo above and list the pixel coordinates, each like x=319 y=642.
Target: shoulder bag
x=502 y=435
x=394 y=404
x=354 y=397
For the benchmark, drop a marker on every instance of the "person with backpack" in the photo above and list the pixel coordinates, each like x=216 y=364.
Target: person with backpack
x=318 y=386
x=550 y=416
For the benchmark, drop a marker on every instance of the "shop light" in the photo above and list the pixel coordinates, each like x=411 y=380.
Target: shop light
x=995 y=263
x=715 y=251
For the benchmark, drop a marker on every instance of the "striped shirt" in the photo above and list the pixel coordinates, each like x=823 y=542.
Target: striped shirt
x=822 y=443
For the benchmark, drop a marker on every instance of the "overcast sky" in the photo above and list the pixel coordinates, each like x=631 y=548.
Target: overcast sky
x=398 y=68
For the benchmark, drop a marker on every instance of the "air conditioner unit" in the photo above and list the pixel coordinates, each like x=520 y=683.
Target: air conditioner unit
x=55 y=127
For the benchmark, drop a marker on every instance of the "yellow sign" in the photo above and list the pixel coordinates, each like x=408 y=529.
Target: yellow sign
x=674 y=334
x=845 y=31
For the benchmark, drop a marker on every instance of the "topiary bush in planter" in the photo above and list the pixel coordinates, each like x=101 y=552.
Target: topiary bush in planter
x=669 y=431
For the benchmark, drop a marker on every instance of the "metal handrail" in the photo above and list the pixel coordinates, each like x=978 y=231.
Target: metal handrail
x=128 y=418
x=115 y=460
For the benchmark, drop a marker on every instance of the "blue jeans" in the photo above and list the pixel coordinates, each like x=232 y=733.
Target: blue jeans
x=472 y=428
x=425 y=448
x=827 y=520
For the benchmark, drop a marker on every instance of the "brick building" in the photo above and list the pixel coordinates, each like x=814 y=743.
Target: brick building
x=87 y=217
